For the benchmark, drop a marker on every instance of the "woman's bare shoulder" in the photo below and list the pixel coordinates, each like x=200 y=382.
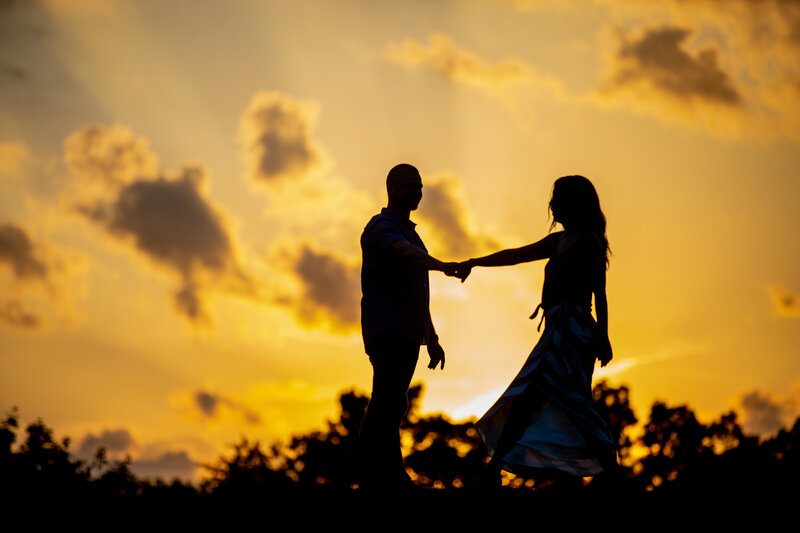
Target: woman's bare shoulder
x=584 y=241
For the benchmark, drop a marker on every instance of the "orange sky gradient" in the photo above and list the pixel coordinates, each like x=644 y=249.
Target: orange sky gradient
x=183 y=186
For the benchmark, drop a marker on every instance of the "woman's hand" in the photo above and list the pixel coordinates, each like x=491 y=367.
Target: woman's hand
x=601 y=347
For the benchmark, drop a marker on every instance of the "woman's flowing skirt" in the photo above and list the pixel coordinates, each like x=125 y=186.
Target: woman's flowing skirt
x=565 y=430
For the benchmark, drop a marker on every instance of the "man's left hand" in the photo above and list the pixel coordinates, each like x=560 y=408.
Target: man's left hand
x=437 y=354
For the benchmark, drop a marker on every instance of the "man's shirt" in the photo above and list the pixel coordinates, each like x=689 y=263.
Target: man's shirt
x=395 y=294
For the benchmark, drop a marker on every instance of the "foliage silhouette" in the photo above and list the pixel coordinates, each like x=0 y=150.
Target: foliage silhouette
x=671 y=454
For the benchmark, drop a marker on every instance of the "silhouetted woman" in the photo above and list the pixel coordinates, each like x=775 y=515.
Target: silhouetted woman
x=546 y=418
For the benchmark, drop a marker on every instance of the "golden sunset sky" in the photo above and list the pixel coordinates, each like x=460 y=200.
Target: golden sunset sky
x=183 y=185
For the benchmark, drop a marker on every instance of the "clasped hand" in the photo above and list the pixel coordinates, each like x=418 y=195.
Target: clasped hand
x=458 y=270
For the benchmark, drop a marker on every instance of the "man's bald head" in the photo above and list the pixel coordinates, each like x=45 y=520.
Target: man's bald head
x=404 y=186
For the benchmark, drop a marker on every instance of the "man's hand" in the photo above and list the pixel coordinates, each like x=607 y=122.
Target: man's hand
x=436 y=352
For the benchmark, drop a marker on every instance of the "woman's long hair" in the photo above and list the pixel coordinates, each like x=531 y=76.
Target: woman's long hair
x=576 y=206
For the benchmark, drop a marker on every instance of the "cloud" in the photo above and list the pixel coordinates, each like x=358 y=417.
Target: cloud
x=331 y=288
x=275 y=132
x=674 y=350
x=108 y=157
x=15 y=158
x=169 y=465
x=307 y=204
x=327 y=283
x=763 y=414
x=320 y=287
x=447 y=218
x=115 y=441
x=166 y=217
x=443 y=56
x=14 y=313
x=657 y=60
x=744 y=79
x=19 y=252
x=30 y=274
x=152 y=463
x=210 y=404
x=786 y=301
x=323 y=286
x=170 y=221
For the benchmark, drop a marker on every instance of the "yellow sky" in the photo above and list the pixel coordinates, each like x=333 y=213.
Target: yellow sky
x=183 y=186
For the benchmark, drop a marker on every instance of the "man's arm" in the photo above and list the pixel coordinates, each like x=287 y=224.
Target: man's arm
x=418 y=257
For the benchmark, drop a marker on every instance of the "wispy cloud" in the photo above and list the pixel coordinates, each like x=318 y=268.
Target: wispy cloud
x=442 y=56
x=667 y=353
x=209 y=404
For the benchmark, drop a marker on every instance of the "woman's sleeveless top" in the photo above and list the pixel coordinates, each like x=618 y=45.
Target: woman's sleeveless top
x=570 y=277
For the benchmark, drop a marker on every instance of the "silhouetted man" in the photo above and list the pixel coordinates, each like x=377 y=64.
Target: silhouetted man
x=395 y=321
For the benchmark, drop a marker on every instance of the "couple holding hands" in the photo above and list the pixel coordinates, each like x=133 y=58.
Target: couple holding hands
x=546 y=417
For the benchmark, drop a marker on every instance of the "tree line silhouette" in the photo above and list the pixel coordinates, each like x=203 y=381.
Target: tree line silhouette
x=671 y=453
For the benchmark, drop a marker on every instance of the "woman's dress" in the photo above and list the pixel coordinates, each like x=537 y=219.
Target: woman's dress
x=565 y=430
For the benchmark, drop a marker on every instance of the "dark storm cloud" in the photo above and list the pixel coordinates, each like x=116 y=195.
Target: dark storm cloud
x=113 y=440
x=331 y=288
x=276 y=134
x=446 y=215
x=658 y=58
x=209 y=404
x=19 y=252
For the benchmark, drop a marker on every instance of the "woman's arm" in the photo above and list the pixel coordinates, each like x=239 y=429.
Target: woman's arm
x=600 y=340
x=514 y=256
